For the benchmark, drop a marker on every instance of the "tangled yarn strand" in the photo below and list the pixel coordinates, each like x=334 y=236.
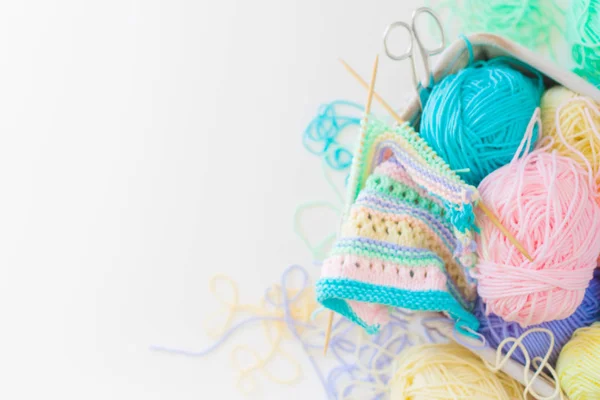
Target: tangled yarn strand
x=539 y=363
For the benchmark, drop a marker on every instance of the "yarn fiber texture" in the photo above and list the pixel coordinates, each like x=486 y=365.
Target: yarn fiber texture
x=476 y=118
x=578 y=369
x=530 y=23
x=546 y=201
x=448 y=371
x=573 y=123
x=495 y=329
x=583 y=35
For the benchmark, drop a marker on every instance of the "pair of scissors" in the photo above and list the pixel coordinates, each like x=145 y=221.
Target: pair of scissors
x=410 y=50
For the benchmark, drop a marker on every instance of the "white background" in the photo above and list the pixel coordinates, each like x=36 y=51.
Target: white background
x=146 y=146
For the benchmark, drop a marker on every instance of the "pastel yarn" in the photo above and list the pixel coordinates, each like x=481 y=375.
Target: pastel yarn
x=475 y=119
x=355 y=365
x=530 y=23
x=282 y=313
x=322 y=135
x=545 y=200
x=573 y=123
x=448 y=371
x=578 y=366
x=583 y=35
x=495 y=329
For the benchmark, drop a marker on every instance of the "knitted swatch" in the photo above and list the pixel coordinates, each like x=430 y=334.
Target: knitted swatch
x=407 y=239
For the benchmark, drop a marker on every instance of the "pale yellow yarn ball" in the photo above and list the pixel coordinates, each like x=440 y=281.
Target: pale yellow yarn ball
x=578 y=365
x=449 y=371
x=578 y=132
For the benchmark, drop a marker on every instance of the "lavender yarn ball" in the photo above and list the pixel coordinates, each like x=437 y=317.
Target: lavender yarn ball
x=495 y=329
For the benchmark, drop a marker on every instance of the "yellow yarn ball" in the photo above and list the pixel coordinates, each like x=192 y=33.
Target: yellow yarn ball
x=578 y=365
x=448 y=371
x=575 y=130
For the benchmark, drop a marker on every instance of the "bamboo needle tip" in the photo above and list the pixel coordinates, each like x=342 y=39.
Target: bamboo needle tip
x=504 y=231
x=364 y=84
x=328 y=333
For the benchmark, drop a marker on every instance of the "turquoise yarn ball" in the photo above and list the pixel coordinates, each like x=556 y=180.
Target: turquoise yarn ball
x=477 y=118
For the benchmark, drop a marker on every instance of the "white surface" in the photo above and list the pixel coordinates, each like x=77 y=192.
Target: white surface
x=146 y=146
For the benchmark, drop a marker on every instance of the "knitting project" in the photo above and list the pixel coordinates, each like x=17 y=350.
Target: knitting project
x=407 y=239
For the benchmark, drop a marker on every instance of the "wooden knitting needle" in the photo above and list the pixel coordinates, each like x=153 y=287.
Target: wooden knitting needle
x=481 y=205
x=371 y=88
x=378 y=97
x=328 y=333
x=504 y=231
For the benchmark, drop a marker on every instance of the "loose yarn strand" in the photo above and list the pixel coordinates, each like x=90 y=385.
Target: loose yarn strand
x=321 y=136
x=359 y=367
x=281 y=317
x=539 y=363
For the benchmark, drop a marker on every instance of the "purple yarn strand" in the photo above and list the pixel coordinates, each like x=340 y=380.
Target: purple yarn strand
x=348 y=356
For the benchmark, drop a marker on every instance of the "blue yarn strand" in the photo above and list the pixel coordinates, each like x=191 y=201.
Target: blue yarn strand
x=321 y=135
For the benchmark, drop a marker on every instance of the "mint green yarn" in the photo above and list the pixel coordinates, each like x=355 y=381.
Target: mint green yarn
x=477 y=118
x=529 y=23
x=535 y=24
x=583 y=35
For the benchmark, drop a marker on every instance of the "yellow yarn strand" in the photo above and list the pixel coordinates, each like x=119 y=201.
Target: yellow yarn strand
x=275 y=331
x=377 y=387
x=578 y=365
x=267 y=363
x=573 y=123
x=540 y=364
x=449 y=371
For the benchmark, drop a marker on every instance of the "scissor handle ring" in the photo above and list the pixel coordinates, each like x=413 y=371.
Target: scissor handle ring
x=433 y=15
x=386 y=34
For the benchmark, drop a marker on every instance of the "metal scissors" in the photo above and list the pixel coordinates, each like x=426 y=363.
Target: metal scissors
x=410 y=50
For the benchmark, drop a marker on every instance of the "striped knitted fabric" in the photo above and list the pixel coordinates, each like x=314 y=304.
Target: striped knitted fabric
x=407 y=239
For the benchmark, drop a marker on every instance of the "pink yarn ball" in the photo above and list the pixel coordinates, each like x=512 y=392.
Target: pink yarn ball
x=545 y=200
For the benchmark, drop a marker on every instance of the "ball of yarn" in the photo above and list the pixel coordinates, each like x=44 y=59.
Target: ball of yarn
x=578 y=368
x=583 y=36
x=476 y=118
x=545 y=200
x=529 y=23
x=448 y=371
x=573 y=122
x=495 y=329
